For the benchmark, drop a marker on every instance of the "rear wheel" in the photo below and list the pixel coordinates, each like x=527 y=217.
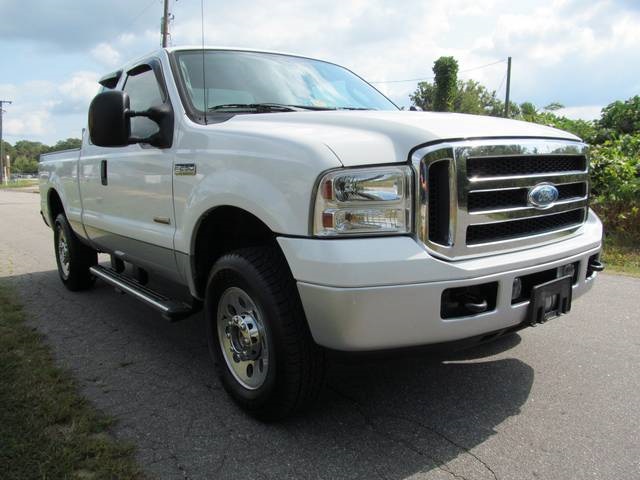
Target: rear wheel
x=258 y=335
x=72 y=256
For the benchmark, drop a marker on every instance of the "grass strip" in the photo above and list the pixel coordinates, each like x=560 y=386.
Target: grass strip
x=621 y=255
x=47 y=429
x=19 y=184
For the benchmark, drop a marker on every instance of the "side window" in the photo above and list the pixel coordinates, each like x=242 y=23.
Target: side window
x=144 y=92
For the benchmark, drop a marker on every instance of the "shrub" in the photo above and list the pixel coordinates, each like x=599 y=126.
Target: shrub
x=615 y=185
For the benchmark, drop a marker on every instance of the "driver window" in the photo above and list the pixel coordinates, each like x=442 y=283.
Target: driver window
x=144 y=92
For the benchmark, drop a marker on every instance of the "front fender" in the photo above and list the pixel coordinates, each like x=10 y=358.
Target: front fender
x=271 y=180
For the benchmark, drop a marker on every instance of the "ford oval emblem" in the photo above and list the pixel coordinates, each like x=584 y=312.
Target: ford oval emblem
x=543 y=195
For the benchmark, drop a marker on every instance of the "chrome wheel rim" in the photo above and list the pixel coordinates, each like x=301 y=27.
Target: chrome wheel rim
x=63 y=252
x=243 y=338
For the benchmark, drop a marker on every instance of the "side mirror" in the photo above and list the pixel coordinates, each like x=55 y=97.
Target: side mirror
x=109 y=123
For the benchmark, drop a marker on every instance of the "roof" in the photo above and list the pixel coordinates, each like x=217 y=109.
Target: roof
x=234 y=49
x=158 y=51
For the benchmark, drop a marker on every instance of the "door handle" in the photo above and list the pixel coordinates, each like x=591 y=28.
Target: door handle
x=103 y=172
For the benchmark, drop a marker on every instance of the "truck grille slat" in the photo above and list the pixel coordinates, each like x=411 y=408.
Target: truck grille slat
x=524 y=165
x=495 y=232
x=439 y=194
x=477 y=197
x=517 y=197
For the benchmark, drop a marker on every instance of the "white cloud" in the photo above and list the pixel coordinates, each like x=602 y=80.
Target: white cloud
x=27 y=122
x=39 y=107
x=577 y=52
x=106 y=54
x=81 y=87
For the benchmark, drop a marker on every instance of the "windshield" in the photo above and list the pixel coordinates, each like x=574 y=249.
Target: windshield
x=248 y=78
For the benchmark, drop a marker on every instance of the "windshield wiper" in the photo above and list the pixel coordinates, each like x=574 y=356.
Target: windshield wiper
x=314 y=107
x=274 y=107
x=255 y=107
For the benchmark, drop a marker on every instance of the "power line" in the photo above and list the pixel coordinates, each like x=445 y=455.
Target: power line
x=142 y=12
x=483 y=66
x=501 y=83
x=406 y=80
x=432 y=76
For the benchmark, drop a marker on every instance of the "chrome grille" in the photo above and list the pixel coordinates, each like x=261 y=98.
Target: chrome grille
x=473 y=196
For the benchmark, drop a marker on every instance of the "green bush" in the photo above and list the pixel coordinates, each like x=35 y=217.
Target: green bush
x=615 y=185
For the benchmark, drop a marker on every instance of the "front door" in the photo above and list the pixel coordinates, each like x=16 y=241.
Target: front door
x=127 y=191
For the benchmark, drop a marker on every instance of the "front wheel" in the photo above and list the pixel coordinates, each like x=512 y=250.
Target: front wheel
x=258 y=335
x=72 y=256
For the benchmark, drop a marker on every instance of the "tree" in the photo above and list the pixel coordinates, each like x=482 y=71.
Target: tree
x=446 y=81
x=67 y=144
x=473 y=97
x=528 y=111
x=25 y=154
x=583 y=129
x=619 y=118
x=7 y=149
x=424 y=96
x=24 y=165
x=553 y=106
x=470 y=97
x=29 y=150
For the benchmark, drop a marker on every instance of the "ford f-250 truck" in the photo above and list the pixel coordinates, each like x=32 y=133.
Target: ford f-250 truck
x=305 y=212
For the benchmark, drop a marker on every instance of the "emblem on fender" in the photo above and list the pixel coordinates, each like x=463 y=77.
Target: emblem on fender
x=543 y=195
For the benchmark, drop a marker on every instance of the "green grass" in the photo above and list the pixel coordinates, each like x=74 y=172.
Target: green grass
x=47 y=429
x=621 y=255
x=20 y=184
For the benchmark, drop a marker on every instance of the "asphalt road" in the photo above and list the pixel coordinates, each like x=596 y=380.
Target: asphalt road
x=560 y=401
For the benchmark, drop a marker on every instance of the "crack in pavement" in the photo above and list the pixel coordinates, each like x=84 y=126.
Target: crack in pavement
x=368 y=418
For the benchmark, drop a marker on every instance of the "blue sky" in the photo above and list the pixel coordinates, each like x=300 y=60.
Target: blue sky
x=583 y=54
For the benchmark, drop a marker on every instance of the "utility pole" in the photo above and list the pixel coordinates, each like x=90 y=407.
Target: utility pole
x=165 y=25
x=506 y=101
x=2 y=159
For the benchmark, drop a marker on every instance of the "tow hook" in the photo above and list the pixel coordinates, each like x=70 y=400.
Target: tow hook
x=474 y=304
x=596 y=265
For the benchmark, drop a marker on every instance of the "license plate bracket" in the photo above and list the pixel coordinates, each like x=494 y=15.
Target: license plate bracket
x=550 y=299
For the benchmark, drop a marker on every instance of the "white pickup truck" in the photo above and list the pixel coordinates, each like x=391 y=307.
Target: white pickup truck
x=304 y=212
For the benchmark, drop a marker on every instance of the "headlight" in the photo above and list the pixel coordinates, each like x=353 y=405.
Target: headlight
x=363 y=201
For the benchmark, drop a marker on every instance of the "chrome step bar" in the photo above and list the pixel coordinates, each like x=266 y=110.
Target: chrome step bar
x=170 y=309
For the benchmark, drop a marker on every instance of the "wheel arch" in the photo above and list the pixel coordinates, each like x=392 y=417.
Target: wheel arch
x=220 y=230
x=55 y=205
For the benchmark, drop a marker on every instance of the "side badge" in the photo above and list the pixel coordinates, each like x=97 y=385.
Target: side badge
x=184 y=169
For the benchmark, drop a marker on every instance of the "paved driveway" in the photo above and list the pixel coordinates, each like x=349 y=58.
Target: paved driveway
x=559 y=401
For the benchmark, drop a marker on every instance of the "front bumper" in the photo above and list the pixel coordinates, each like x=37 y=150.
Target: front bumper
x=384 y=293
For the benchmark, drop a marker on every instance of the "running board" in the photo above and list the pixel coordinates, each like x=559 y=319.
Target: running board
x=170 y=309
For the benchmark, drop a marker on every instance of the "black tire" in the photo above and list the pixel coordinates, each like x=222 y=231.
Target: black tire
x=296 y=364
x=75 y=273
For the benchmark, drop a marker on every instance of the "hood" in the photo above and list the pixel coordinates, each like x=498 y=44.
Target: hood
x=373 y=137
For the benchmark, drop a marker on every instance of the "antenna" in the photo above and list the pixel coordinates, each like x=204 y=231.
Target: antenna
x=204 y=83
